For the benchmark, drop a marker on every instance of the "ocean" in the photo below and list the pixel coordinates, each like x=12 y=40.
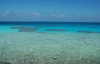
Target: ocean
x=49 y=43
x=52 y=26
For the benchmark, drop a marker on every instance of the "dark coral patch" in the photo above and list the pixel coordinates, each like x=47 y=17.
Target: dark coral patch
x=17 y=27
x=41 y=32
x=42 y=26
x=5 y=63
x=27 y=30
x=46 y=33
x=24 y=29
x=55 y=30
x=86 y=32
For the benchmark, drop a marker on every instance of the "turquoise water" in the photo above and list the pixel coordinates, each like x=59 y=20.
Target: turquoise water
x=49 y=43
x=57 y=27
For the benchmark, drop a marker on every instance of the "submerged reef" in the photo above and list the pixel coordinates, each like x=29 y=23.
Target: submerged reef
x=24 y=29
x=43 y=26
x=86 y=32
x=17 y=27
x=55 y=30
x=27 y=30
x=5 y=63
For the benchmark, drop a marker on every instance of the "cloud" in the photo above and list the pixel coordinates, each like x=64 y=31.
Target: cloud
x=26 y=13
x=62 y=15
x=45 y=16
x=22 y=14
x=79 y=14
x=19 y=14
x=56 y=15
x=94 y=17
x=52 y=14
x=97 y=16
x=35 y=14
x=6 y=13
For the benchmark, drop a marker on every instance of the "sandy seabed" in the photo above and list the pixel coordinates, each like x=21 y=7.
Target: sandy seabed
x=46 y=48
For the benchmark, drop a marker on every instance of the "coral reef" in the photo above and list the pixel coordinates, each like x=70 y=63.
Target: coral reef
x=24 y=29
x=86 y=31
x=5 y=63
x=55 y=30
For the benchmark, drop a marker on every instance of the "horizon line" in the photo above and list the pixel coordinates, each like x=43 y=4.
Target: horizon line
x=49 y=21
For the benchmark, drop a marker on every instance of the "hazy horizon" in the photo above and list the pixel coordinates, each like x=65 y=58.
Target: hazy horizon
x=50 y=10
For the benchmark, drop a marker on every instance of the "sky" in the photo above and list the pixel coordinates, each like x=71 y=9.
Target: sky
x=50 y=10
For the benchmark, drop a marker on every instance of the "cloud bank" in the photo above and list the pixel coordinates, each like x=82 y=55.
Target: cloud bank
x=50 y=16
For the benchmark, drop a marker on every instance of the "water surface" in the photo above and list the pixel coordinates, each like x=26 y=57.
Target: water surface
x=49 y=43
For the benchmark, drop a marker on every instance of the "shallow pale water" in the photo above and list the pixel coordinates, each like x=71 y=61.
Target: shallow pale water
x=69 y=43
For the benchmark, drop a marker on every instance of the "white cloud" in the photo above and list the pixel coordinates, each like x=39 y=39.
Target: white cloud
x=79 y=14
x=97 y=16
x=35 y=14
x=26 y=13
x=62 y=15
x=19 y=14
x=52 y=14
x=94 y=16
x=6 y=13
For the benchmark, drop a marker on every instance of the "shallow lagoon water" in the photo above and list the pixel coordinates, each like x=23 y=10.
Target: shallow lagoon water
x=49 y=47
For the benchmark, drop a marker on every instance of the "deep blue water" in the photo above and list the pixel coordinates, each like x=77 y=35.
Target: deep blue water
x=53 y=26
